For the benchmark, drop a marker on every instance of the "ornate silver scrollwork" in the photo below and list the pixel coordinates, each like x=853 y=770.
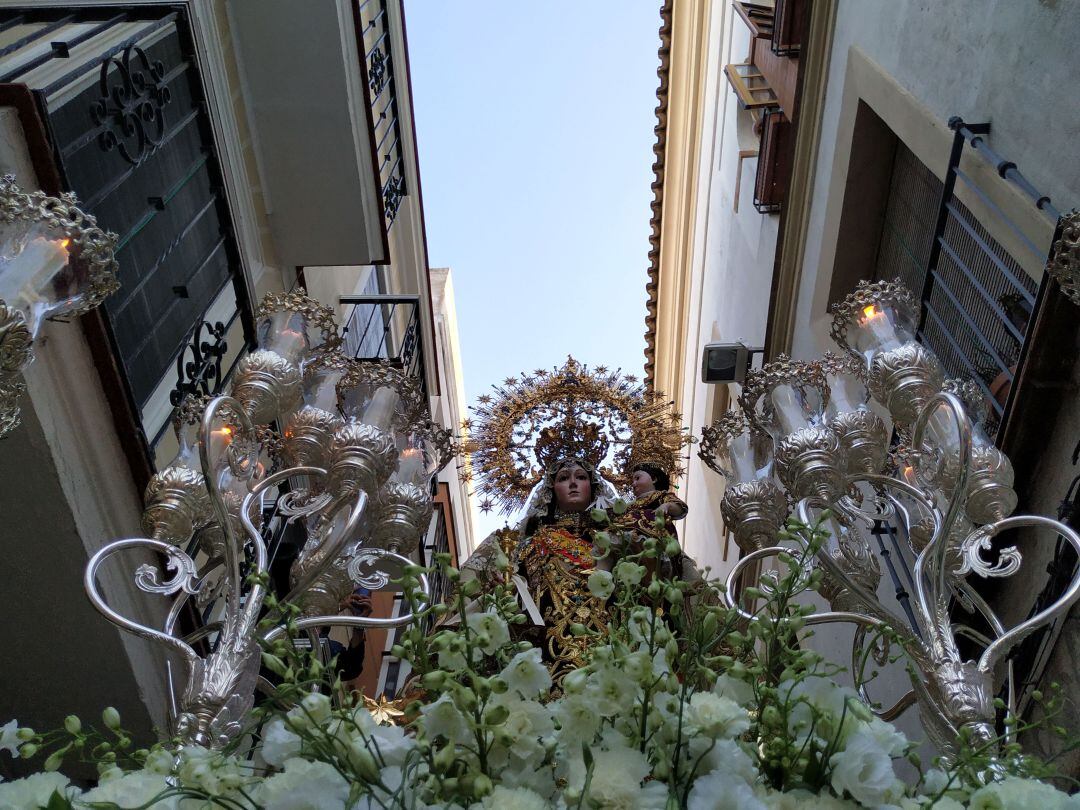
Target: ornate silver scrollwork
x=1008 y=561
x=904 y=379
x=186 y=578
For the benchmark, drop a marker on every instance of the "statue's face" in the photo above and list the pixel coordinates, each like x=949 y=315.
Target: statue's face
x=573 y=489
x=642 y=483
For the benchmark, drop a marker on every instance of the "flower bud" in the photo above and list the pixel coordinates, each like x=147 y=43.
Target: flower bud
x=672 y=548
x=435 y=679
x=363 y=761
x=27 y=750
x=72 y=724
x=619 y=507
x=55 y=760
x=496 y=715
x=111 y=718
x=482 y=785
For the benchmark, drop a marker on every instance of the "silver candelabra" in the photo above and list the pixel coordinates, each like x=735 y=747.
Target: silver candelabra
x=353 y=461
x=806 y=439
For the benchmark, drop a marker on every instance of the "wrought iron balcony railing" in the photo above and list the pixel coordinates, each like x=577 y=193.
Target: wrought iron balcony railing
x=386 y=327
x=374 y=26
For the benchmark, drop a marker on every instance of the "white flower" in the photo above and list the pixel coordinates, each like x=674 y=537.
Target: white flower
x=278 y=743
x=717 y=716
x=823 y=697
x=490 y=629
x=1013 y=793
x=304 y=785
x=392 y=744
x=34 y=791
x=527 y=724
x=616 y=778
x=133 y=789
x=578 y=720
x=722 y=791
x=515 y=799
x=160 y=760
x=8 y=740
x=527 y=674
x=442 y=719
x=865 y=771
x=739 y=691
x=727 y=756
x=892 y=741
x=314 y=708
x=629 y=572
x=601 y=584
x=611 y=691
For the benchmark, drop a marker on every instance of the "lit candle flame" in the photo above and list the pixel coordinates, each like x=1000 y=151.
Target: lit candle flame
x=871 y=312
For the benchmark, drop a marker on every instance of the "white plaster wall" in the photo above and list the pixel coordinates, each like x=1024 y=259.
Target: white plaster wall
x=1005 y=62
x=1001 y=61
x=731 y=279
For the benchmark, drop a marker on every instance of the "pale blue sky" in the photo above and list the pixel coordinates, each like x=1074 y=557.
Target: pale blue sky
x=535 y=126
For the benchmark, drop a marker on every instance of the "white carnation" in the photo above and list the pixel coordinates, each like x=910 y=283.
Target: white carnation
x=616 y=777
x=865 y=771
x=134 y=789
x=33 y=791
x=892 y=741
x=526 y=674
x=278 y=743
x=1014 y=793
x=739 y=691
x=578 y=720
x=304 y=785
x=717 y=716
x=515 y=799
x=727 y=756
x=392 y=744
x=722 y=791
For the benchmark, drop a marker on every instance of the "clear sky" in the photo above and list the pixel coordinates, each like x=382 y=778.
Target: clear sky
x=535 y=127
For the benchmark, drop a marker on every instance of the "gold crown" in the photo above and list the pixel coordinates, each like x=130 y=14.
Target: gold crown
x=605 y=418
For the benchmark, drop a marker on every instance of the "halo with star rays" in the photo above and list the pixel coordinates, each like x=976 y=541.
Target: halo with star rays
x=607 y=418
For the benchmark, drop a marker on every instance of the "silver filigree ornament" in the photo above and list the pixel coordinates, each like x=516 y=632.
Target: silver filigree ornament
x=307 y=437
x=755 y=512
x=266 y=384
x=362 y=458
x=401 y=517
x=91 y=267
x=904 y=379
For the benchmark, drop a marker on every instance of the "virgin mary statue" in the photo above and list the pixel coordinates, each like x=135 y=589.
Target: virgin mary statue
x=563 y=444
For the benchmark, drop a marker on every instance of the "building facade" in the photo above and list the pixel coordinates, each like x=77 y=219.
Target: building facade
x=237 y=148
x=879 y=167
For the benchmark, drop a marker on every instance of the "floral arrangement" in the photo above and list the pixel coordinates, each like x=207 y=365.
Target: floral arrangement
x=683 y=704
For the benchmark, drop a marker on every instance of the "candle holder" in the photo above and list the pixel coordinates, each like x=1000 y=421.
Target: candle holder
x=754 y=508
x=876 y=323
x=177 y=503
x=402 y=515
x=54 y=262
x=861 y=432
x=787 y=399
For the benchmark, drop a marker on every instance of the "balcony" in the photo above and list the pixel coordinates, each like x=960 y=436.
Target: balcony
x=309 y=71
x=386 y=328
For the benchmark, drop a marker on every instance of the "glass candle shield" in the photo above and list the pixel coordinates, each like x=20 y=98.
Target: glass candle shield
x=40 y=272
x=880 y=327
x=285 y=334
x=417 y=460
x=846 y=395
x=790 y=408
x=746 y=457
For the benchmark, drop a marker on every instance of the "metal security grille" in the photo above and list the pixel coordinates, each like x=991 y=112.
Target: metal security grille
x=977 y=308
x=122 y=97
